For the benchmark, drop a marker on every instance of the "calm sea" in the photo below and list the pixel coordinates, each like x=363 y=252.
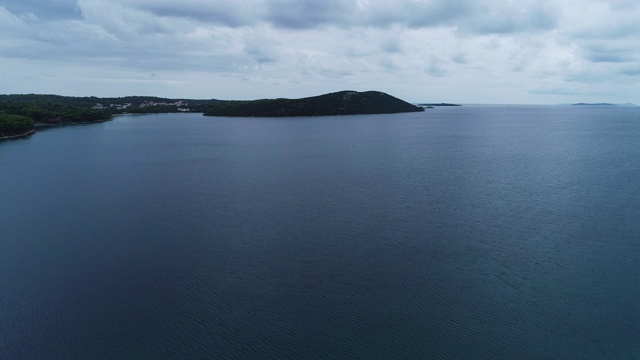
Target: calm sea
x=475 y=232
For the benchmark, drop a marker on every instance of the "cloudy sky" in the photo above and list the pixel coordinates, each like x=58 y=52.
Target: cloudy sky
x=467 y=51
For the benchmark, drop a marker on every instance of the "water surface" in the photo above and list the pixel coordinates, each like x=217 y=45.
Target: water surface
x=457 y=233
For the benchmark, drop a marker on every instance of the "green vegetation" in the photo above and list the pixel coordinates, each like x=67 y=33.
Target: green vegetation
x=52 y=113
x=14 y=113
x=13 y=125
x=20 y=114
x=62 y=110
x=338 y=103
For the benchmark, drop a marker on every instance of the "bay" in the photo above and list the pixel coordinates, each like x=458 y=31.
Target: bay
x=474 y=232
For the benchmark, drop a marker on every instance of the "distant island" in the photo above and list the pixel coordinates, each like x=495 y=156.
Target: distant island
x=338 y=103
x=602 y=104
x=22 y=114
x=432 y=105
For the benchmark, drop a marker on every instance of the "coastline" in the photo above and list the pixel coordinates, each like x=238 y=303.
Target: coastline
x=45 y=125
x=37 y=126
x=18 y=136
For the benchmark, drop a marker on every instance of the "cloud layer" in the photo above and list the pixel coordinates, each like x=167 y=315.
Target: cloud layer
x=488 y=51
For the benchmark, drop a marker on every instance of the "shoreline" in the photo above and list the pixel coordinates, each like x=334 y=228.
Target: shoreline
x=18 y=136
x=45 y=125
x=37 y=126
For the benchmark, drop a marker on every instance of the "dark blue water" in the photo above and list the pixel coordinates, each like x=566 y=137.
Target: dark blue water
x=458 y=233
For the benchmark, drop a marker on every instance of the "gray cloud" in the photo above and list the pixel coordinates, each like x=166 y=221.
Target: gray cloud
x=218 y=12
x=392 y=45
x=51 y=9
x=417 y=14
x=459 y=58
x=436 y=67
x=259 y=50
x=517 y=48
x=295 y=14
x=473 y=16
x=609 y=51
x=468 y=16
x=599 y=57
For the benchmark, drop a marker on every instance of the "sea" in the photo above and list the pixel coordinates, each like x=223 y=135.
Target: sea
x=472 y=232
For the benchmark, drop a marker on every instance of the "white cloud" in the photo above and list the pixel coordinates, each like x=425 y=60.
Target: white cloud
x=419 y=50
x=10 y=21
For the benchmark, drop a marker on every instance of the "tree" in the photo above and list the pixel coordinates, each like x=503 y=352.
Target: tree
x=11 y=124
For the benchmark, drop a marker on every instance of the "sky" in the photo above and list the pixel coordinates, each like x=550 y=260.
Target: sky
x=463 y=51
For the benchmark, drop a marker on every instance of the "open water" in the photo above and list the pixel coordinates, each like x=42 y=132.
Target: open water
x=475 y=232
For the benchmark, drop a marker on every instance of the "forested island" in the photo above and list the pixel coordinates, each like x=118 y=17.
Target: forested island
x=338 y=103
x=20 y=115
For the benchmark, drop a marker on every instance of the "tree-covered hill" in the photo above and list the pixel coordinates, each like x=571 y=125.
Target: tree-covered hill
x=53 y=113
x=338 y=103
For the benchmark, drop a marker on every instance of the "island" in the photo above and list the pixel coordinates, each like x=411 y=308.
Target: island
x=432 y=105
x=602 y=104
x=337 y=103
x=21 y=115
x=593 y=104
